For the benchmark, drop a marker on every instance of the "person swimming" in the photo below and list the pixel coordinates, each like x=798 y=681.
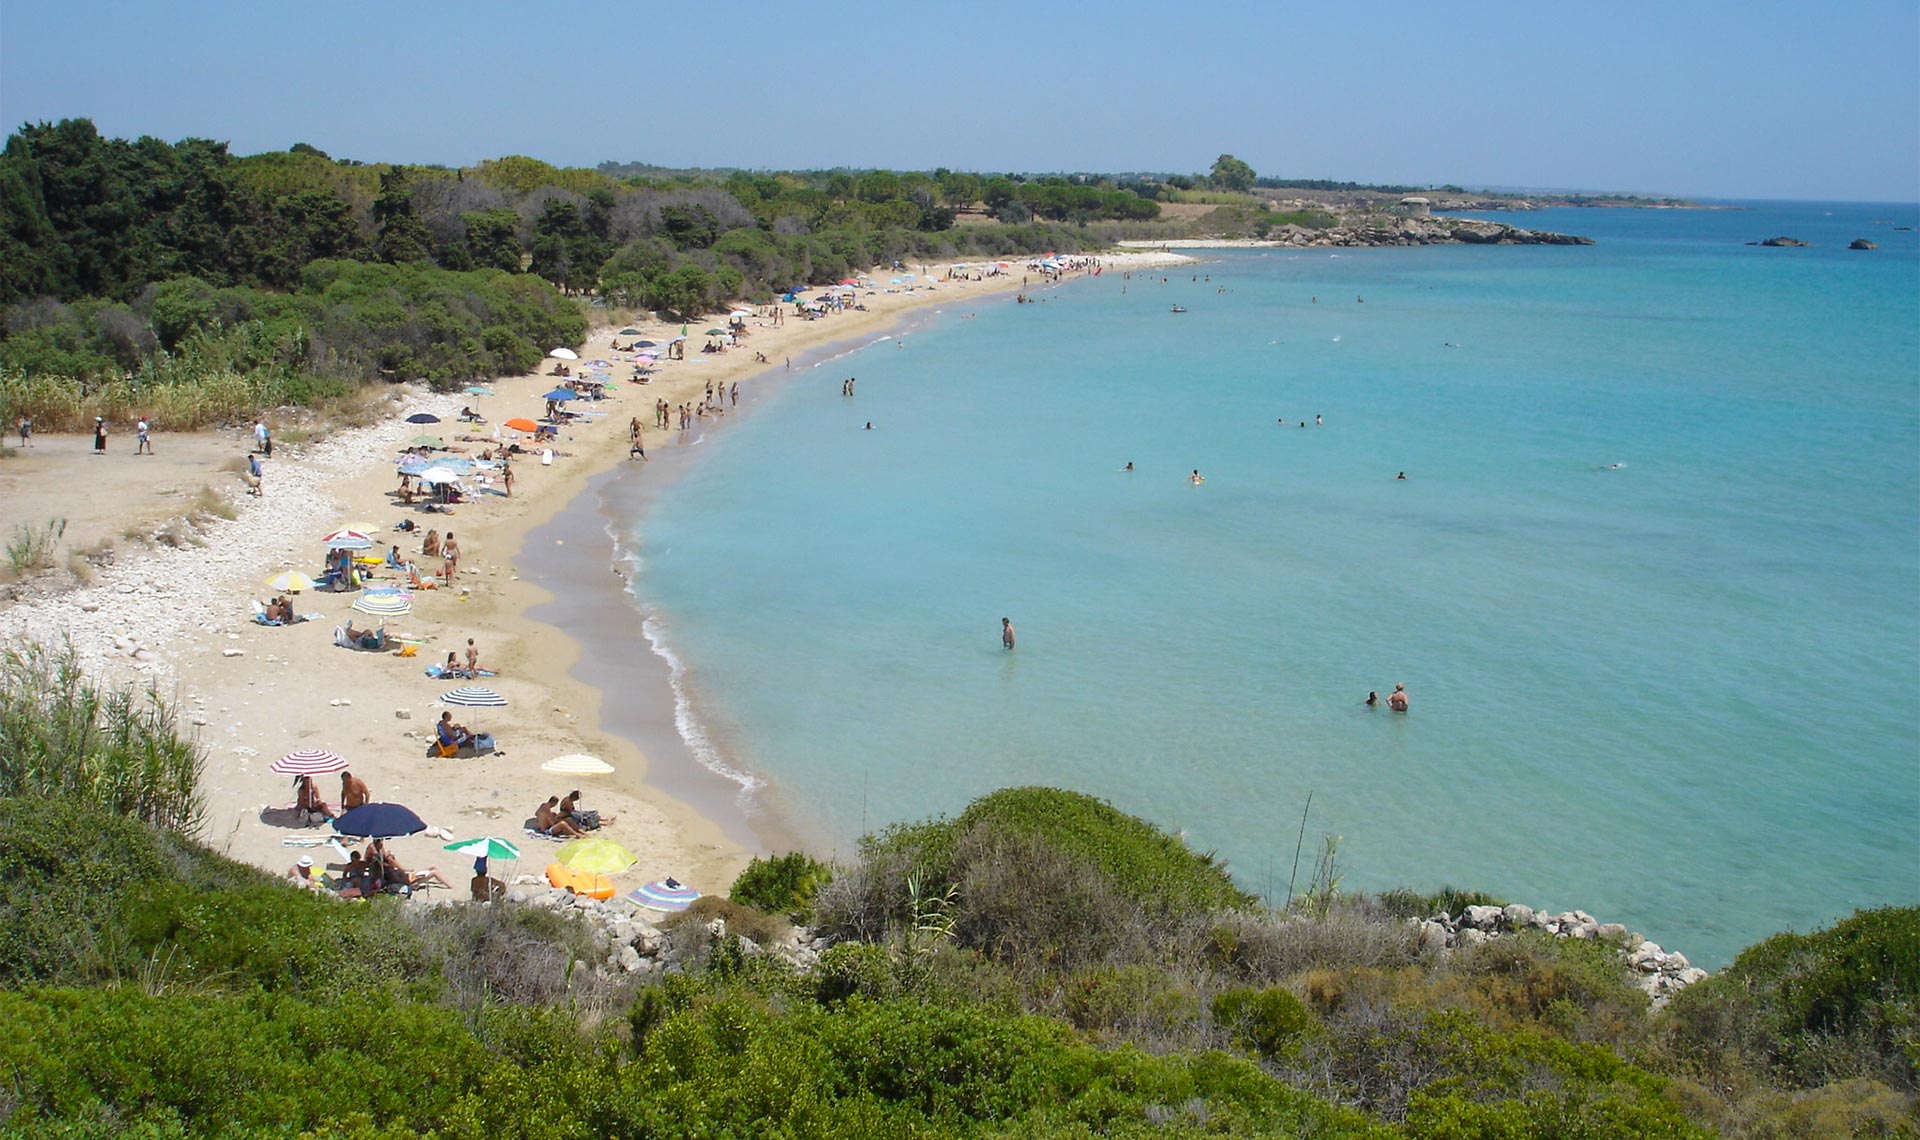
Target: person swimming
x=1129 y=466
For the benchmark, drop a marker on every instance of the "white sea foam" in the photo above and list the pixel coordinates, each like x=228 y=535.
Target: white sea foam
x=686 y=721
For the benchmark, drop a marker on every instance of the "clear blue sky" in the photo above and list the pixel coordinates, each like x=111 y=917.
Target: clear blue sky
x=1755 y=99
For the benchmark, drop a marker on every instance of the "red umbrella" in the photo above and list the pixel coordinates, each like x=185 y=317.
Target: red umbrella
x=310 y=762
x=522 y=424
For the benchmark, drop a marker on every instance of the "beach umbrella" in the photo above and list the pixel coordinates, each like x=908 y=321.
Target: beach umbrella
x=395 y=591
x=478 y=390
x=849 y=281
x=485 y=847
x=741 y=313
x=788 y=297
x=665 y=894
x=594 y=855
x=577 y=764
x=384 y=605
x=414 y=464
x=474 y=697
x=432 y=441
x=564 y=354
x=522 y=424
x=379 y=821
x=309 y=762
x=292 y=580
x=647 y=344
x=347 y=540
x=561 y=394
x=629 y=332
x=716 y=332
x=423 y=418
x=435 y=476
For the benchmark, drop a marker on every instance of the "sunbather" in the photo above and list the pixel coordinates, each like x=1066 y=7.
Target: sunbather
x=583 y=818
x=301 y=874
x=452 y=735
x=431 y=547
x=551 y=822
x=306 y=799
x=390 y=870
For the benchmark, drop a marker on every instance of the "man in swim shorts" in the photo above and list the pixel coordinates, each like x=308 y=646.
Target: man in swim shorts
x=1006 y=633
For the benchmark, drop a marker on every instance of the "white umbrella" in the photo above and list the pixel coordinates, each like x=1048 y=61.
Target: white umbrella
x=433 y=476
x=564 y=354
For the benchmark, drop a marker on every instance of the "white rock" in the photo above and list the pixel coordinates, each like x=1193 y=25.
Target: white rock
x=233 y=653
x=1518 y=915
x=1482 y=917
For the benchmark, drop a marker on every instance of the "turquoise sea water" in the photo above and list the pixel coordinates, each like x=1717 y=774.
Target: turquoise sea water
x=1683 y=694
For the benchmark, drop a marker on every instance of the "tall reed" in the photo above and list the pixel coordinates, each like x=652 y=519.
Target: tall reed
x=66 y=736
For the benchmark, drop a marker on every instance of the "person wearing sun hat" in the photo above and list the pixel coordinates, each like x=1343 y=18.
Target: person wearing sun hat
x=302 y=873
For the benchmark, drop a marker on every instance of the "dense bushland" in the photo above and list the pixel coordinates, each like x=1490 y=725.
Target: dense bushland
x=1041 y=965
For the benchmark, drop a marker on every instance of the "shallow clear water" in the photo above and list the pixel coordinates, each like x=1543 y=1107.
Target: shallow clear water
x=1680 y=694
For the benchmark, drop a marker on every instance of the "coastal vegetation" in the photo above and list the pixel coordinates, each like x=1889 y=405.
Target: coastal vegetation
x=1040 y=966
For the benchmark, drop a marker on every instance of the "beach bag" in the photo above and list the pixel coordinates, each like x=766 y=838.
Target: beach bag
x=590 y=820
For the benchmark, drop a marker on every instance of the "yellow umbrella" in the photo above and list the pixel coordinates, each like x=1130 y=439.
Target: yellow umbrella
x=290 y=580
x=594 y=855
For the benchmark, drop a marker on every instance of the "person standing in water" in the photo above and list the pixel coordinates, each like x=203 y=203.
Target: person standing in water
x=1397 y=700
x=1006 y=633
x=1196 y=478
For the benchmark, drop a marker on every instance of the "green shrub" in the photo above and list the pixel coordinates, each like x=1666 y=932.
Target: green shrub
x=1812 y=1008
x=781 y=884
x=854 y=969
x=1271 y=1021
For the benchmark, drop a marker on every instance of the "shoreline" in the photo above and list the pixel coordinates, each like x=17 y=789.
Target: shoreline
x=176 y=618
x=608 y=515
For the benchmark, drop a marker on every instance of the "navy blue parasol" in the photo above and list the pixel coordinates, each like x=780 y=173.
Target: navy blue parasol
x=379 y=821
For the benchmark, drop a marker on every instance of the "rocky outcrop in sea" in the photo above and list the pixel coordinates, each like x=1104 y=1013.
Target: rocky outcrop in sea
x=1659 y=973
x=1419 y=231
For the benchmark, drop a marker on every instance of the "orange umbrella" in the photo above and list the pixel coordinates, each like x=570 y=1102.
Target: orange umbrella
x=523 y=424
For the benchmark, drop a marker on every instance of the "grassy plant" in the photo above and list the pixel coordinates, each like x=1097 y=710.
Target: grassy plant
x=783 y=884
x=64 y=735
x=31 y=547
x=210 y=503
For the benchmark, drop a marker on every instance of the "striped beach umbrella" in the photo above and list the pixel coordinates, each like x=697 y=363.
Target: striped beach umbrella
x=474 y=697
x=384 y=605
x=347 y=540
x=485 y=847
x=666 y=894
x=309 y=762
x=577 y=764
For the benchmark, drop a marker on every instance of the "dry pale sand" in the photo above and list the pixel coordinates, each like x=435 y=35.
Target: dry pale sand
x=179 y=618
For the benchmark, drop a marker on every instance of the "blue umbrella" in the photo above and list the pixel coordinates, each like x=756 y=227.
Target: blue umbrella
x=423 y=418
x=788 y=297
x=379 y=821
x=646 y=344
x=415 y=465
x=561 y=394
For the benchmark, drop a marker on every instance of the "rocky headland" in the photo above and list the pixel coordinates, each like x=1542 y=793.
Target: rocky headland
x=1375 y=230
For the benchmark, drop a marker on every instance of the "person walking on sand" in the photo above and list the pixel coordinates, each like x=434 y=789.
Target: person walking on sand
x=146 y=445
x=473 y=658
x=26 y=429
x=99 y=435
x=1397 y=700
x=1006 y=633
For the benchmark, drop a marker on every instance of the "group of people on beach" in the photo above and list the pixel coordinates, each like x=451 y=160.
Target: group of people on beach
x=564 y=818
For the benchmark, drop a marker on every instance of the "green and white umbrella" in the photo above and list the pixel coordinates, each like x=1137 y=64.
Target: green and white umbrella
x=485 y=847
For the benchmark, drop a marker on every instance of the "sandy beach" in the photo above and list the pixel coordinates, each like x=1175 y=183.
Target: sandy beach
x=179 y=617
